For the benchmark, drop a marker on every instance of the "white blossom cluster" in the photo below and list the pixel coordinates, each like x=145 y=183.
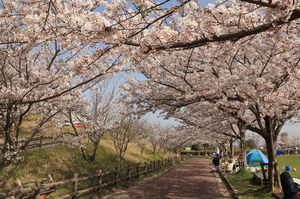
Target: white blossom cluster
x=11 y=154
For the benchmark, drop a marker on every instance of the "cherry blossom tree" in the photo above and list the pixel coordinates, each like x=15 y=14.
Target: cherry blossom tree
x=43 y=116
x=154 y=137
x=283 y=140
x=253 y=140
x=174 y=138
x=41 y=68
x=295 y=141
x=141 y=139
x=167 y=132
x=127 y=130
x=98 y=116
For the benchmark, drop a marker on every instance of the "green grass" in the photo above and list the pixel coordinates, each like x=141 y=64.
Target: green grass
x=290 y=160
x=249 y=188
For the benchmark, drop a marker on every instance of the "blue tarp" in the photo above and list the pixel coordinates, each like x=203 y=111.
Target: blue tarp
x=256 y=156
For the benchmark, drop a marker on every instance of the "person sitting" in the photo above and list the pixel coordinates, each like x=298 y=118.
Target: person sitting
x=230 y=167
x=289 y=188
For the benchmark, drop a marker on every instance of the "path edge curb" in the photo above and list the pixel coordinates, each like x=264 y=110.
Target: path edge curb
x=236 y=195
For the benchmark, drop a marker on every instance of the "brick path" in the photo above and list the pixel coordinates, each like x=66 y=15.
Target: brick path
x=191 y=179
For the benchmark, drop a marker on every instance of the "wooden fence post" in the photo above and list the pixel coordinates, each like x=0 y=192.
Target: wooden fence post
x=116 y=176
x=137 y=170
x=75 y=186
x=154 y=166
x=38 y=191
x=41 y=142
x=128 y=172
x=145 y=167
x=100 y=180
x=52 y=140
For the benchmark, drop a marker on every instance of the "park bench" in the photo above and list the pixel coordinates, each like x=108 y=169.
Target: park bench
x=261 y=177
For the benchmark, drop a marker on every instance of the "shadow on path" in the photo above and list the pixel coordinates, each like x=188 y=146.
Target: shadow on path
x=191 y=179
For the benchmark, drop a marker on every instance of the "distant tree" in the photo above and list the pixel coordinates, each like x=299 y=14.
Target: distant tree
x=283 y=140
x=154 y=137
x=98 y=116
x=129 y=128
x=178 y=137
x=205 y=146
x=167 y=133
x=141 y=139
x=295 y=141
x=195 y=147
x=253 y=140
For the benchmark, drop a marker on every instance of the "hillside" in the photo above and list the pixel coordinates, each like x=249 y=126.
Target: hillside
x=62 y=162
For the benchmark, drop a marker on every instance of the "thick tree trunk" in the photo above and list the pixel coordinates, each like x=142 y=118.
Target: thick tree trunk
x=142 y=151
x=83 y=152
x=273 y=172
x=243 y=150
x=154 y=149
x=273 y=175
x=231 y=148
x=93 y=154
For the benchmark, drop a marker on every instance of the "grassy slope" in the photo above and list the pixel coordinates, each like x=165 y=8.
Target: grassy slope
x=62 y=162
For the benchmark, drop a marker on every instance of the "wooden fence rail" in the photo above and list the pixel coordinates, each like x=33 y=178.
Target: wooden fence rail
x=113 y=177
x=42 y=141
x=39 y=142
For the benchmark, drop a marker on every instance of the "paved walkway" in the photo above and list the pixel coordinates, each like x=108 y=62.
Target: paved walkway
x=191 y=179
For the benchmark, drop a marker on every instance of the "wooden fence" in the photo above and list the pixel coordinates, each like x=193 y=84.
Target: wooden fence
x=39 y=142
x=97 y=181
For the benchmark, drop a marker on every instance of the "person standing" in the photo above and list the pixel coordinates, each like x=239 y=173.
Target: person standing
x=216 y=163
x=217 y=151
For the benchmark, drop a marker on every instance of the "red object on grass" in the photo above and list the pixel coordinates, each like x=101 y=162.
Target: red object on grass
x=80 y=126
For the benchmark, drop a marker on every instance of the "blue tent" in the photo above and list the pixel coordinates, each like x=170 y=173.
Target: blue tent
x=256 y=156
x=279 y=152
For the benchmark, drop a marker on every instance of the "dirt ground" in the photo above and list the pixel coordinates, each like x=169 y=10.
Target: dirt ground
x=191 y=179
